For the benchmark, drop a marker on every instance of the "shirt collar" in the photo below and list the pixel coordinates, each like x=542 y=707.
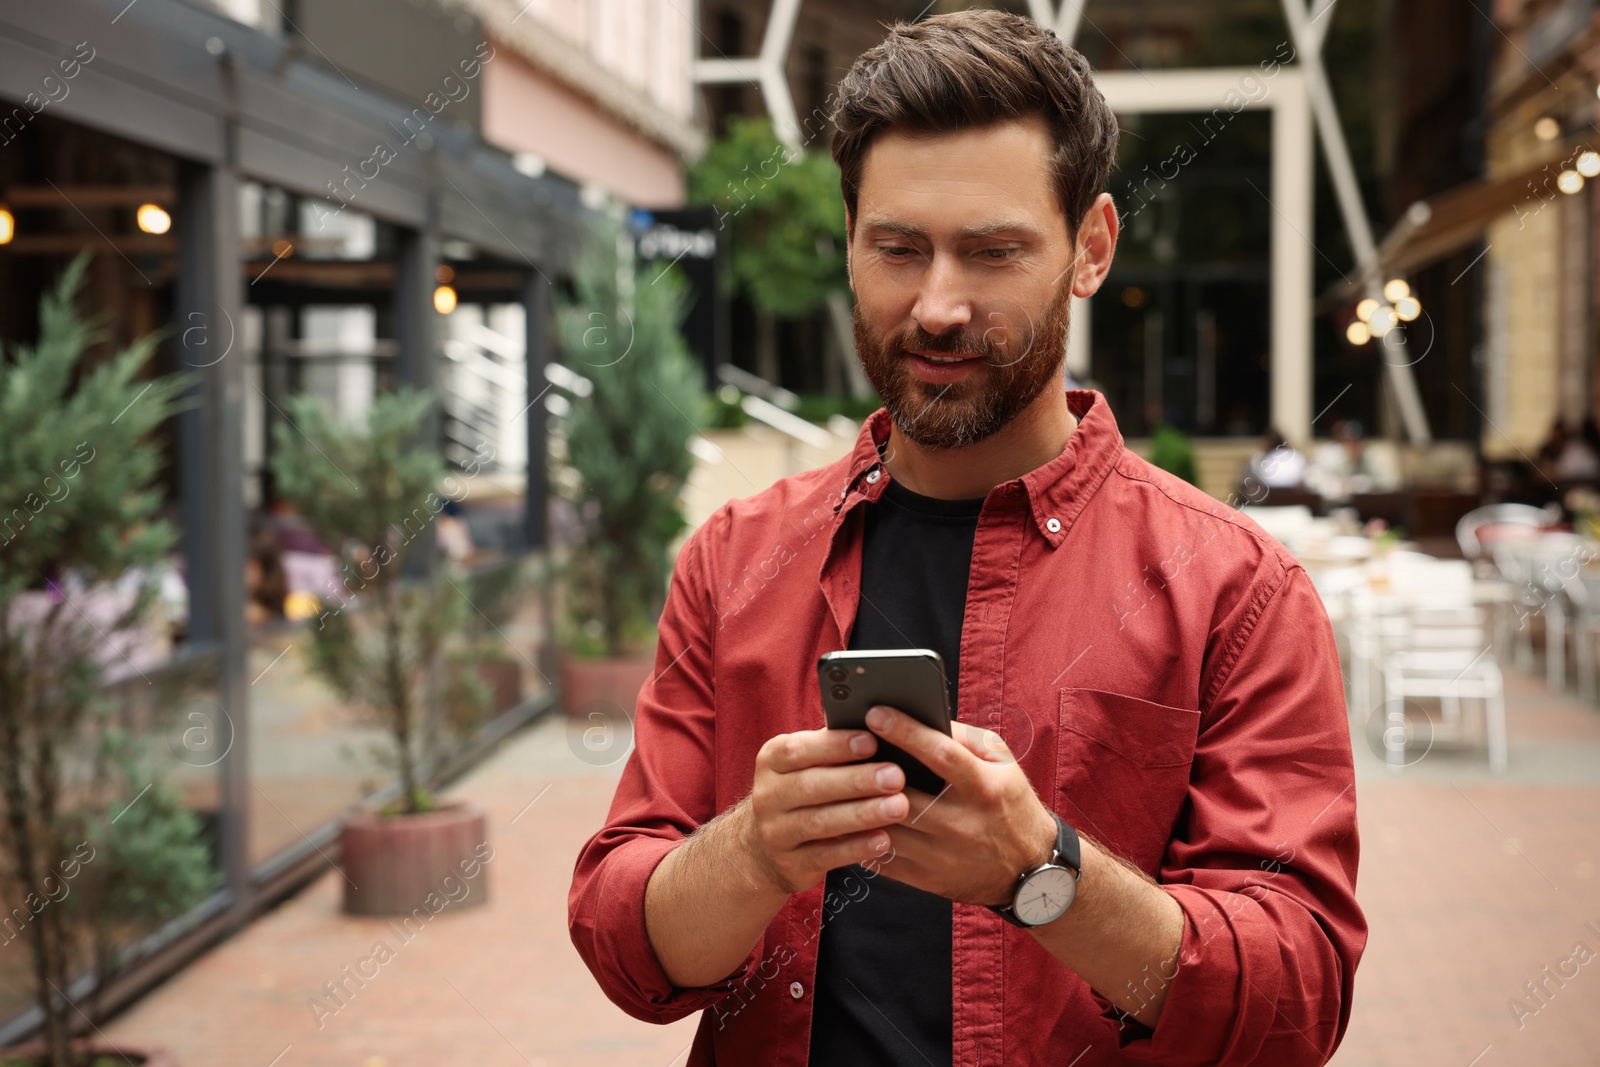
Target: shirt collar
x=1057 y=492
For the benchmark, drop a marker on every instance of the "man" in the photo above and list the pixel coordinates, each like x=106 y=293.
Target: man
x=1149 y=703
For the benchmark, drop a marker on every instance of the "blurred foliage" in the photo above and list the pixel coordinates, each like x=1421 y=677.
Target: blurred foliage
x=80 y=479
x=151 y=861
x=784 y=215
x=628 y=442
x=820 y=407
x=370 y=489
x=726 y=411
x=1173 y=451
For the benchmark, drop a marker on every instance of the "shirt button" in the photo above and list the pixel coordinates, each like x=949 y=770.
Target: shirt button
x=873 y=475
x=796 y=990
x=1053 y=525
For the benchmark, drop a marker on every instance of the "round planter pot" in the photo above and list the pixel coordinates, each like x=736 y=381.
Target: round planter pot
x=144 y=1055
x=616 y=681
x=504 y=679
x=418 y=865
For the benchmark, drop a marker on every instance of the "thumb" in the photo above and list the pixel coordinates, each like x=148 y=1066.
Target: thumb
x=985 y=744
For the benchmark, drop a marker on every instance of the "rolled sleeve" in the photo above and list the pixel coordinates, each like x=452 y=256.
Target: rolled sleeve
x=608 y=928
x=667 y=790
x=1264 y=866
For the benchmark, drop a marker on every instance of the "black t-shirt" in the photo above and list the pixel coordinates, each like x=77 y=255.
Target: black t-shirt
x=883 y=958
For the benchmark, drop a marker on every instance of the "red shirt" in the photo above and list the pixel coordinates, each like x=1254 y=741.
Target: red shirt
x=1165 y=673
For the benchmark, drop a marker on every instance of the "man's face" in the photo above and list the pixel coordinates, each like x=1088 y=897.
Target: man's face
x=960 y=252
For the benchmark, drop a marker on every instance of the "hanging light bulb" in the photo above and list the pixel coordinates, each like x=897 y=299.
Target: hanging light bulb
x=1396 y=290
x=8 y=226
x=1365 y=309
x=1408 y=308
x=153 y=219
x=1569 y=181
x=444 y=300
x=1357 y=333
x=1547 y=129
x=1383 y=320
x=1589 y=164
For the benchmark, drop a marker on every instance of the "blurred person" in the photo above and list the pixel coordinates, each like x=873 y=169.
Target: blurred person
x=266 y=583
x=1276 y=464
x=1550 y=449
x=1577 y=457
x=453 y=533
x=1145 y=657
x=1345 y=466
x=293 y=533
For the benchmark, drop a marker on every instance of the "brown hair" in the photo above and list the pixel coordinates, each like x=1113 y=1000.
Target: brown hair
x=971 y=69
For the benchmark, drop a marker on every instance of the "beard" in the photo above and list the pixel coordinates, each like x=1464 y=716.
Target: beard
x=1015 y=370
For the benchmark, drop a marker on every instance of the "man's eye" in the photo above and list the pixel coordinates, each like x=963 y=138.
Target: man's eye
x=999 y=253
x=899 y=251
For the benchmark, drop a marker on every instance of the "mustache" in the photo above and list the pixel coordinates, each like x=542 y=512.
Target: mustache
x=954 y=343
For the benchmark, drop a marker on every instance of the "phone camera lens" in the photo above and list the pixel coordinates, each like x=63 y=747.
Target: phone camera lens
x=837 y=674
x=841 y=692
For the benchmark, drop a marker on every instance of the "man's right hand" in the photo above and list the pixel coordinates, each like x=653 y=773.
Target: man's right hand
x=813 y=807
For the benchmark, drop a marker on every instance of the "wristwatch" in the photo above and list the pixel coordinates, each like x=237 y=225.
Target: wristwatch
x=1045 y=893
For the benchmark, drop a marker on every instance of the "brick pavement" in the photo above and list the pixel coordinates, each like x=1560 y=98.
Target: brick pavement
x=494 y=985
x=1472 y=885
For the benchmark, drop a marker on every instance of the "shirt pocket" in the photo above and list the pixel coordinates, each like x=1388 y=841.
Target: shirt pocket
x=1122 y=770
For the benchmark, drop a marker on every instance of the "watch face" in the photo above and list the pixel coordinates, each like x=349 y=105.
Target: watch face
x=1045 y=896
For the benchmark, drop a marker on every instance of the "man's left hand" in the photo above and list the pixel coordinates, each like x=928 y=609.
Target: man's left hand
x=985 y=828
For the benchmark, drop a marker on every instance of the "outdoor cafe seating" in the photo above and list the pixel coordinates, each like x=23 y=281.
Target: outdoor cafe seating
x=1423 y=638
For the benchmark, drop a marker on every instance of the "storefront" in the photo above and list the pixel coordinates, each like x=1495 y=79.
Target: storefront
x=291 y=231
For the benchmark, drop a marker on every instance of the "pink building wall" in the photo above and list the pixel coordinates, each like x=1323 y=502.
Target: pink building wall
x=525 y=110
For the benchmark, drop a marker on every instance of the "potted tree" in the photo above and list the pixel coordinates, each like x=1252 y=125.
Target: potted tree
x=496 y=593
x=81 y=475
x=627 y=449
x=780 y=209
x=386 y=644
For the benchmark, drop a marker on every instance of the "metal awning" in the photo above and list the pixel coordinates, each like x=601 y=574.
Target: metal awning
x=204 y=87
x=1434 y=228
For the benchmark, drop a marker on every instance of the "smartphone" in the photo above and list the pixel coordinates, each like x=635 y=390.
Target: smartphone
x=910 y=679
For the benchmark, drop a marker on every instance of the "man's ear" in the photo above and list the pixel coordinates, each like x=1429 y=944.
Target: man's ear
x=1097 y=244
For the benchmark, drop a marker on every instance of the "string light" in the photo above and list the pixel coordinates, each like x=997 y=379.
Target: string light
x=1589 y=164
x=1396 y=290
x=1365 y=309
x=1357 y=333
x=153 y=219
x=1569 y=182
x=1383 y=320
x=1408 y=308
x=444 y=300
x=8 y=226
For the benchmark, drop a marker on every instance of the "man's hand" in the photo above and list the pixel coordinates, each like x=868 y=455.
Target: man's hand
x=971 y=841
x=810 y=813
x=987 y=826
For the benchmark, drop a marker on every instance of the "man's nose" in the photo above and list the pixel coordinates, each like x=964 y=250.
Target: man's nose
x=942 y=305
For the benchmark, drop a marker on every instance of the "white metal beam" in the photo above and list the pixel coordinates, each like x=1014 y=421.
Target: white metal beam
x=765 y=70
x=723 y=71
x=1184 y=90
x=1066 y=23
x=1308 y=45
x=1293 y=221
x=1291 y=205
